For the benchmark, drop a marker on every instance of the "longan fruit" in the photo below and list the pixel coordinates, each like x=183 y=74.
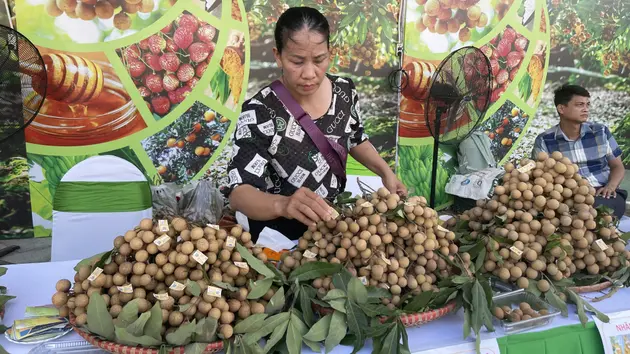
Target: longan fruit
x=122 y=21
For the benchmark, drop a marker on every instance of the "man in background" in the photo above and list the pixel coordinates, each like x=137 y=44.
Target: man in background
x=589 y=145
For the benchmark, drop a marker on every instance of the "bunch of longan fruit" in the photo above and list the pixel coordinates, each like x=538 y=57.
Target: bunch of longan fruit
x=387 y=242
x=451 y=16
x=523 y=312
x=541 y=225
x=155 y=263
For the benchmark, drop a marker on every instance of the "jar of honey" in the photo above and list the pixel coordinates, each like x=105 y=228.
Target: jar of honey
x=110 y=116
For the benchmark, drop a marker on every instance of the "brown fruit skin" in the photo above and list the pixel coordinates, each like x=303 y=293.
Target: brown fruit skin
x=122 y=21
x=63 y=285
x=59 y=299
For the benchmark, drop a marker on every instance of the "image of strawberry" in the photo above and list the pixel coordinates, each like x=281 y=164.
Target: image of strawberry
x=198 y=52
x=509 y=34
x=513 y=59
x=494 y=83
x=171 y=46
x=502 y=76
x=521 y=44
x=183 y=37
x=168 y=28
x=513 y=74
x=144 y=92
x=494 y=64
x=144 y=44
x=193 y=82
x=188 y=21
x=206 y=33
x=131 y=52
x=179 y=95
x=496 y=94
x=170 y=61
x=481 y=102
x=154 y=83
x=156 y=44
x=201 y=68
x=161 y=105
x=136 y=67
x=153 y=60
x=487 y=51
x=170 y=82
x=482 y=67
x=503 y=48
x=185 y=72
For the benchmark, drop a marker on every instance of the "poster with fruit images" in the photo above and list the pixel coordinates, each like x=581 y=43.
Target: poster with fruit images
x=158 y=83
x=510 y=34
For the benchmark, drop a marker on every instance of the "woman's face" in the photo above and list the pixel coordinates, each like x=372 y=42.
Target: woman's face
x=304 y=61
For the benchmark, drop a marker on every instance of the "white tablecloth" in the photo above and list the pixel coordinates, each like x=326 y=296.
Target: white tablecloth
x=34 y=284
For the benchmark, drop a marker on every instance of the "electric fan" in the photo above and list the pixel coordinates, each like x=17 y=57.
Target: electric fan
x=23 y=81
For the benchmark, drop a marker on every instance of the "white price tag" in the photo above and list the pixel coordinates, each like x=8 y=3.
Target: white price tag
x=126 y=289
x=163 y=225
x=334 y=213
x=309 y=254
x=95 y=274
x=199 y=257
x=366 y=204
x=214 y=291
x=161 y=240
x=602 y=245
x=364 y=281
x=516 y=250
x=442 y=228
x=161 y=297
x=213 y=226
x=530 y=166
x=230 y=241
x=411 y=204
x=242 y=265
x=177 y=286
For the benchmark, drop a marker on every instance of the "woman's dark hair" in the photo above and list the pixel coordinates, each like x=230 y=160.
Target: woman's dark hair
x=296 y=19
x=565 y=93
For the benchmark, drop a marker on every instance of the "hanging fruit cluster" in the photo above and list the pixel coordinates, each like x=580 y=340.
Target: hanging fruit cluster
x=451 y=16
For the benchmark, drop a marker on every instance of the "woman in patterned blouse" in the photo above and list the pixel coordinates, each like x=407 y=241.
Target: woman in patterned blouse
x=277 y=176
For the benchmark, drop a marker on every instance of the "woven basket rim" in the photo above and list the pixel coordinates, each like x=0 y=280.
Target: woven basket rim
x=94 y=340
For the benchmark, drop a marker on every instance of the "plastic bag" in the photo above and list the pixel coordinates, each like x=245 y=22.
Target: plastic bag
x=201 y=202
x=476 y=186
x=165 y=201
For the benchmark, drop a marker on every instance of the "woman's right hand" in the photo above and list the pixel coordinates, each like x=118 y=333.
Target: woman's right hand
x=305 y=206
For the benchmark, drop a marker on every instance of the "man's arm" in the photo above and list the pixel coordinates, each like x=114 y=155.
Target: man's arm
x=616 y=167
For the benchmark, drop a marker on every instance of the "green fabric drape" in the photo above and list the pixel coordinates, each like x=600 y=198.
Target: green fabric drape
x=573 y=339
x=102 y=197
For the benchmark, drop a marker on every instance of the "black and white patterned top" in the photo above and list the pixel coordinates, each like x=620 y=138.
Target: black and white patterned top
x=273 y=153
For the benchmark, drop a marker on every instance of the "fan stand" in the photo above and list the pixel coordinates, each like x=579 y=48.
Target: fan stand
x=436 y=145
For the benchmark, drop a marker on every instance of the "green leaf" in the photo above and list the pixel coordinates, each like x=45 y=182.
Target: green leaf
x=277 y=334
x=183 y=334
x=319 y=331
x=276 y=303
x=625 y=236
x=295 y=331
x=3 y=271
x=356 y=323
x=193 y=286
x=375 y=293
x=533 y=288
x=251 y=324
x=363 y=30
x=340 y=280
x=554 y=300
x=601 y=316
x=195 y=348
x=481 y=258
x=154 y=324
x=270 y=324
x=357 y=291
x=254 y=262
x=124 y=337
x=129 y=314
x=335 y=294
x=307 y=294
x=338 y=304
x=87 y=261
x=5 y=298
x=390 y=343
x=224 y=286
x=404 y=349
x=259 y=288
x=419 y=302
x=579 y=304
x=314 y=270
x=460 y=279
x=376 y=310
x=350 y=18
x=137 y=327
x=337 y=330
x=206 y=330
x=467 y=323
x=41 y=199
x=99 y=321
x=313 y=345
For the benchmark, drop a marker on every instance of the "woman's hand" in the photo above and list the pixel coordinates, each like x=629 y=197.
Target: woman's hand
x=394 y=185
x=305 y=206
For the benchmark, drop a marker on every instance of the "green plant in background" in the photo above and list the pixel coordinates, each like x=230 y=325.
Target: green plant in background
x=414 y=168
x=621 y=133
x=15 y=213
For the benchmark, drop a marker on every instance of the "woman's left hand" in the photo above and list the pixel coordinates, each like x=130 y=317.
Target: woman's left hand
x=394 y=185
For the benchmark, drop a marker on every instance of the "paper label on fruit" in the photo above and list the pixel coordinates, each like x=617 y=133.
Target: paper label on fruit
x=366 y=204
x=126 y=289
x=602 y=245
x=161 y=297
x=364 y=281
x=368 y=267
x=242 y=265
x=199 y=257
x=387 y=261
x=334 y=213
x=162 y=240
x=230 y=241
x=163 y=225
x=516 y=250
x=442 y=228
x=309 y=254
x=213 y=226
x=177 y=286
x=214 y=291
x=95 y=274
x=530 y=166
